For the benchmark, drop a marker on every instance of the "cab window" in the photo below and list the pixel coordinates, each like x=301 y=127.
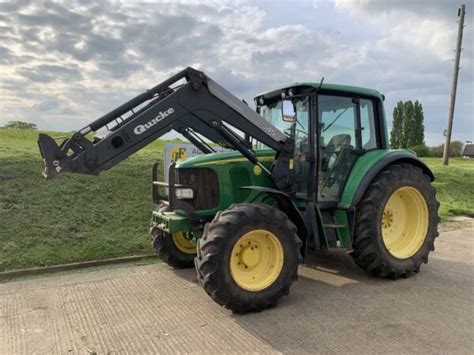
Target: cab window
x=367 y=120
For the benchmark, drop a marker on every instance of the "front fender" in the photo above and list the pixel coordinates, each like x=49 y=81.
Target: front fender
x=286 y=204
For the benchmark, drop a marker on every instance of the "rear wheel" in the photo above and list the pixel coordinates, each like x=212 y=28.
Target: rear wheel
x=248 y=257
x=396 y=222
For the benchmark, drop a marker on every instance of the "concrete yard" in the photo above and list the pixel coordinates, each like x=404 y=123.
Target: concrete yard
x=333 y=307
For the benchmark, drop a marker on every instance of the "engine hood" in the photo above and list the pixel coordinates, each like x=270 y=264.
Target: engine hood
x=221 y=158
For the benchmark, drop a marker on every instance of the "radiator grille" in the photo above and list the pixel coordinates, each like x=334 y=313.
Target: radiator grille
x=205 y=184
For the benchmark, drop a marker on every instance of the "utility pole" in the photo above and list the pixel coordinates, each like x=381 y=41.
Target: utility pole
x=461 y=13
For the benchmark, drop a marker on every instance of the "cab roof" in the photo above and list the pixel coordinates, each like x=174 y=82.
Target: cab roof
x=325 y=87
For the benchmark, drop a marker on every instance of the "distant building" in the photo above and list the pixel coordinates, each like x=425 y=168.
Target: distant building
x=468 y=150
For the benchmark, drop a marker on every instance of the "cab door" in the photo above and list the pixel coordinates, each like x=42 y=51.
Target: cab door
x=346 y=130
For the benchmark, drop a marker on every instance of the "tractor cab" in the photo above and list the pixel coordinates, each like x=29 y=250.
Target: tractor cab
x=331 y=125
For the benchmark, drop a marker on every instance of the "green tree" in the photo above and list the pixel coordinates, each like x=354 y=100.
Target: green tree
x=20 y=125
x=408 y=129
x=397 y=126
x=418 y=131
x=407 y=134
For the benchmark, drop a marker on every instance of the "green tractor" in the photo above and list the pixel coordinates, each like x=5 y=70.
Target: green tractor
x=309 y=169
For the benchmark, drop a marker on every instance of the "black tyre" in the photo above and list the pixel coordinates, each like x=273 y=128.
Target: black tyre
x=174 y=249
x=248 y=257
x=396 y=222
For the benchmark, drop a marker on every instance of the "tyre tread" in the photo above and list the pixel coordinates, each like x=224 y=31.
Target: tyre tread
x=209 y=254
x=365 y=251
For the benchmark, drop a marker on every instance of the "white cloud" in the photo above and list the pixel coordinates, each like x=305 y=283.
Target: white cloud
x=414 y=49
x=420 y=24
x=87 y=57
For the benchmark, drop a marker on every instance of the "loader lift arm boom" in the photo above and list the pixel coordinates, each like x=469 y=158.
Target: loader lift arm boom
x=199 y=107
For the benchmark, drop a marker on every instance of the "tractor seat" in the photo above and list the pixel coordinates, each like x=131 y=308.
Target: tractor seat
x=336 y=144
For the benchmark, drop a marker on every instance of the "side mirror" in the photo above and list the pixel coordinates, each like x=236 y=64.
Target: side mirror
x=288 y=111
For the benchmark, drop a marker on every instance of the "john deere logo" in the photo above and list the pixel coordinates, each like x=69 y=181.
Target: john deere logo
x=257 y=170
x=178 y=153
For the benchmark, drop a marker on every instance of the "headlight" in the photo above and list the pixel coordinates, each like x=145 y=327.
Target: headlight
x=184 y=194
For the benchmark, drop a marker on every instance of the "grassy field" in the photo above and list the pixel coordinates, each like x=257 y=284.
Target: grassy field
x=77 y=217
x=455 y=186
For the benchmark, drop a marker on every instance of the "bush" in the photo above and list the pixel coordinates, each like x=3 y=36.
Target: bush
x=421 y=150
x=436 y=152
x=455 y=149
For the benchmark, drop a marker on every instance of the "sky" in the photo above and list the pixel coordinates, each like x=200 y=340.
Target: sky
x=62 y=65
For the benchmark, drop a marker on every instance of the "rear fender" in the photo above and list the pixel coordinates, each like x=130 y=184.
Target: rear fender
x=395 y=158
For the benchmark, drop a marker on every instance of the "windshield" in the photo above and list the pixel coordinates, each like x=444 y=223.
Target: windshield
x=272 y=113
x=292 y=118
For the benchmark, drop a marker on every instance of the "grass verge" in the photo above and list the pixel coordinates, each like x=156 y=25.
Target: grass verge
x=72 y=217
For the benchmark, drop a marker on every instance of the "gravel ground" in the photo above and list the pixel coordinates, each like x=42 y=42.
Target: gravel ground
x=333 y=307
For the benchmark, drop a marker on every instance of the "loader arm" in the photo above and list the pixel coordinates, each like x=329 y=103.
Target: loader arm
x=198 y=108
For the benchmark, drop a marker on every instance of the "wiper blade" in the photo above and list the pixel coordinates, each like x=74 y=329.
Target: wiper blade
x=325 y=129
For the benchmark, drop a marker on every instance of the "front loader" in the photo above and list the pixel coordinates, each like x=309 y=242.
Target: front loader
x=309 y=169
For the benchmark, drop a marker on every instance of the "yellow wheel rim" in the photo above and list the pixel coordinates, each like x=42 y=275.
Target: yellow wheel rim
x=256 y=260
x=405 y=222
x=183 y=244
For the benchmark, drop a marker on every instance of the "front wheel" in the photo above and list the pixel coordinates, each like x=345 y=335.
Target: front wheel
x=396 y=222
x=248 y=257
x=174 y=249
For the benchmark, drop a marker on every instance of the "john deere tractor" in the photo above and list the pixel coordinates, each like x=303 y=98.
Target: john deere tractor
x=309 y=169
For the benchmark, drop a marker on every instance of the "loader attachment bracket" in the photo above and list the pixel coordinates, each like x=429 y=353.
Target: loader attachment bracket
x=51 y=154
